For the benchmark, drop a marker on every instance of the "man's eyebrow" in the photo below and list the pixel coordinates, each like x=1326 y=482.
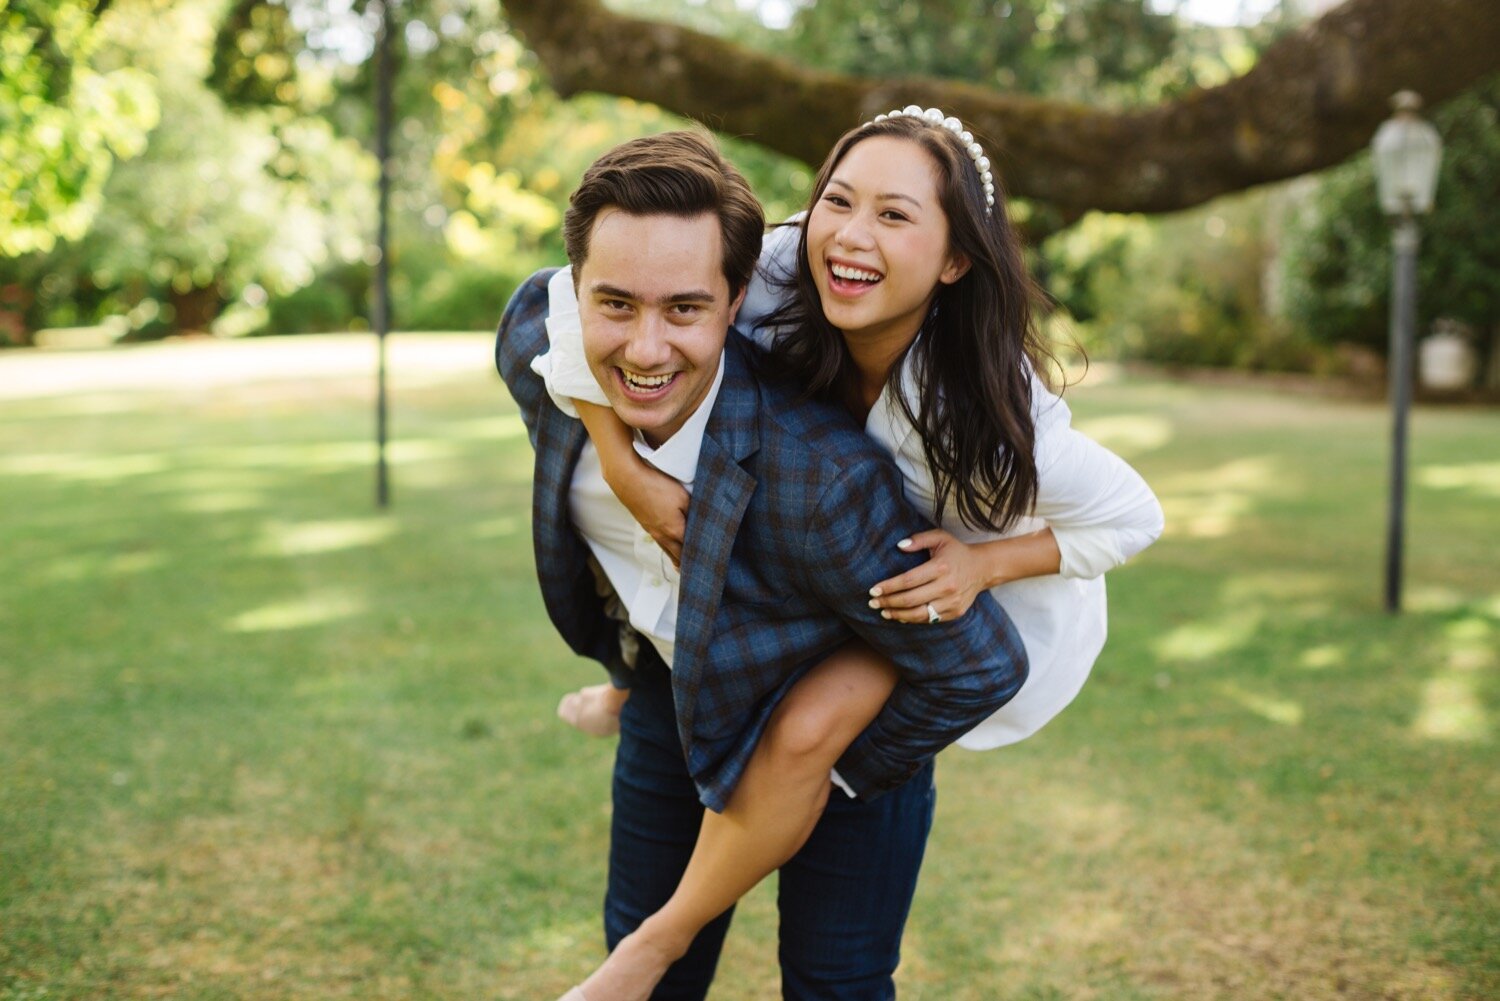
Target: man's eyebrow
x=694 y=295
x=615 y=292
x=882 y=195
x=612 y=291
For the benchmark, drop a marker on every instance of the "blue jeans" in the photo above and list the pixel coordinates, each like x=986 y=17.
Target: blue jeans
x=843 y=898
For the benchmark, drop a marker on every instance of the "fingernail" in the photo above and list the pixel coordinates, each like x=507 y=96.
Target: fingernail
x=904 y=544
x=874 y=592
x=874 y=603
x=885 y=615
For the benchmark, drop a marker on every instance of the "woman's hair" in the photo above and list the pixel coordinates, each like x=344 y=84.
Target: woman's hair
x=976 y=351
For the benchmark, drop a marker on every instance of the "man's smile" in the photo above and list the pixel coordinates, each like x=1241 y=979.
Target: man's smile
x=645 y=388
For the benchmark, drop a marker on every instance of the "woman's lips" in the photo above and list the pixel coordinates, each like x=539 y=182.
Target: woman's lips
x=854 y=281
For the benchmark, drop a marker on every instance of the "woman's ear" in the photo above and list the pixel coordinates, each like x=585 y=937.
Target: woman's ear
x=958 y=266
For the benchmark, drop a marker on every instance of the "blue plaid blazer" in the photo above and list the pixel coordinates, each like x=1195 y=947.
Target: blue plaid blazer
x=795 y=514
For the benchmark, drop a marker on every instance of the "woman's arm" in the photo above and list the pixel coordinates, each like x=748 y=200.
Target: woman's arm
x=1100 y=509
x=958 y=571
x=1098 y=512
x=657 y=502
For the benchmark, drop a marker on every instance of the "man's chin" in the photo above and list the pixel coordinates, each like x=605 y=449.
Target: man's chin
x=648 y=419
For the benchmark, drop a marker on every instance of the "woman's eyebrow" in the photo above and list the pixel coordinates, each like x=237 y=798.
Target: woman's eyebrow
x=882 y=195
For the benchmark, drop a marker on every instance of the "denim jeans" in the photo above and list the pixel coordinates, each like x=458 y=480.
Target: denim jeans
x=843 y=898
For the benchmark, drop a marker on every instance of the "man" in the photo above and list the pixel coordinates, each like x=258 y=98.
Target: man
x=794 y=513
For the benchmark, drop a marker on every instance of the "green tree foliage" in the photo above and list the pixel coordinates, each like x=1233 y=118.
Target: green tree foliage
x=1337 y=262
x=1095 y=49
x=64 y=120
x=223 y=206
x=1187 y=289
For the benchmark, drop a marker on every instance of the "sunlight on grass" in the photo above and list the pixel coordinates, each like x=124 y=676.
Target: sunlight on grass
x=311 y=610
x=1432 y=598
x=1210 y=504
x=1201 y=641
x=487 y=428
x=1320 y=658
x=301 y=539
x=1451 y=704
x=84 y=467
x=295 y=456
x=221 y=502
x=1480 y=477
x=1129 y=434
x=422 y=449
x=97 y=565
x=1283 y=711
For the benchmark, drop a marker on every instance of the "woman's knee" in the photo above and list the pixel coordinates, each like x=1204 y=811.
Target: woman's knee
x=808 y=729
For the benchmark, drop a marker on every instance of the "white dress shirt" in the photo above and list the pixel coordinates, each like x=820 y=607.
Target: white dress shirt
x=641 y=572
x=1099 y=509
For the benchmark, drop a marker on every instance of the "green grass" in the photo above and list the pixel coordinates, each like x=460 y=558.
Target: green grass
x=260 y=741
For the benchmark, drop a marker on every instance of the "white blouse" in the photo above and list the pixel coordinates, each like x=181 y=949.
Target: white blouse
x=1099 y=509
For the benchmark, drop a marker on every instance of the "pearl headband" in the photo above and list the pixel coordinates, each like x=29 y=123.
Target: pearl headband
x=976 y=152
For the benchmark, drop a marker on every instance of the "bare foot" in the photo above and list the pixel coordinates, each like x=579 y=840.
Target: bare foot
x=596 y=711
x=631 y=972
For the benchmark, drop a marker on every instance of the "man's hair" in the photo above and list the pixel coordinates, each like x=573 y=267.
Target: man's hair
x=675 y=173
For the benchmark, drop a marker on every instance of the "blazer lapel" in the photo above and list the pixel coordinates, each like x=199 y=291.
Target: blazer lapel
x=721 y=492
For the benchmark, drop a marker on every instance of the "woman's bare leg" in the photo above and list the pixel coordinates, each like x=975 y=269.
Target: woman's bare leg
x=770 y=815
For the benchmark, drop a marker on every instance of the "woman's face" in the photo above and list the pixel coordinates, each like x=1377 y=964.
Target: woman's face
x=877 y=241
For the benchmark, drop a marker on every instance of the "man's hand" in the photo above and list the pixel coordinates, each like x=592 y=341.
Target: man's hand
x=595 y=710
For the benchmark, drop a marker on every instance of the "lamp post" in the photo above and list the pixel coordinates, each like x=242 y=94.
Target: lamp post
x=1407 y=152
x=380 y=312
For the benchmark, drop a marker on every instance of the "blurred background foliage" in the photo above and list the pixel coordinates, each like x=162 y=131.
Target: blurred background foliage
x=172 y=166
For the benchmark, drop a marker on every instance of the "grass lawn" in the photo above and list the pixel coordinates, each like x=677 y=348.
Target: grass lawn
x=258 y=740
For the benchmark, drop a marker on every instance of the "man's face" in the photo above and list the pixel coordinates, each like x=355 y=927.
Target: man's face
x=655 y=307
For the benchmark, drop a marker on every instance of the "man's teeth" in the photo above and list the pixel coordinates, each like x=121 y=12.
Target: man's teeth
x=646 y=381
x=854 y=274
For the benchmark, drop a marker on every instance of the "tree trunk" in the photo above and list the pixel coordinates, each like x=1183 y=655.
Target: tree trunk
x=1314 y=98
x=195 y=310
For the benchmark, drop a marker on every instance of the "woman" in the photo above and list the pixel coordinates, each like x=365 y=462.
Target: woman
x=908 y=302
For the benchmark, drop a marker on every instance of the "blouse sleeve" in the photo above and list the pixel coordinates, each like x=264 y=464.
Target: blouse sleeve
x=1099 y=509
x=563 y=368
x=770 y=283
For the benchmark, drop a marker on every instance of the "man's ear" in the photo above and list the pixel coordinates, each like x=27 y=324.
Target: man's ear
x=734 y=307
x=958 y=266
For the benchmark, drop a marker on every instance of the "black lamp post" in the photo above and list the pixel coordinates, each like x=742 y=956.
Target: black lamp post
x=1407 y=152
x=380 y=312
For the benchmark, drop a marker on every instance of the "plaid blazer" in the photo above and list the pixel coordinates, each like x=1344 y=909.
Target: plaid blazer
x=795 y=514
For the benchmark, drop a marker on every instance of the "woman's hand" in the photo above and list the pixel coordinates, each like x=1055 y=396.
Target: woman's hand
x=958 y=571
x=656 y=501
x=948 y=583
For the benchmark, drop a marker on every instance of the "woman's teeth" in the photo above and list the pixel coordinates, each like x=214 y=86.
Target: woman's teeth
x=645 y=382
x=854 y=274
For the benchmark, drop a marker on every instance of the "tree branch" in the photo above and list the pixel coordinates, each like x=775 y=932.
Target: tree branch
x=1314 y=98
